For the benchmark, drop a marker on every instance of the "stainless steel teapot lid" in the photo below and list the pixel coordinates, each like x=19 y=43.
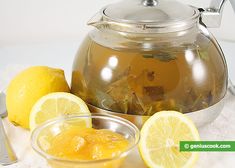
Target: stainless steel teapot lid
x=150 y=16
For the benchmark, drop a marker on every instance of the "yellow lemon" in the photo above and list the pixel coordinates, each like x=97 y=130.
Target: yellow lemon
x=30 y=85
x=58 y=104
x=160 y=137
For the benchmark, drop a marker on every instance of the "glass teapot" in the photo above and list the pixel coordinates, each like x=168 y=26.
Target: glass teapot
x=152 y=55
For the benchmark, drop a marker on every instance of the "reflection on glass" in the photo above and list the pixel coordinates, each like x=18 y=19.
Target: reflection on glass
x=189 y=56
x=199 y=72
x=113 y=61
x=56 y=130
x=106 y=74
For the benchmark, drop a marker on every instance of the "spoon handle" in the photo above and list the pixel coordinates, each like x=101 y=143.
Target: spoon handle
x=7 y=155
x=231 y=87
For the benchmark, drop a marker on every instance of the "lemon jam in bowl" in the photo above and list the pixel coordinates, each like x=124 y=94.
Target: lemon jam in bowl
x=103 y=142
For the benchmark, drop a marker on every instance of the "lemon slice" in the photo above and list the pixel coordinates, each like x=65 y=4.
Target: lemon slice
x=160 y=137
x=58 y=104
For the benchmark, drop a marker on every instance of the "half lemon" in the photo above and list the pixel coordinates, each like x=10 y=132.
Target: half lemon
x=56 y=105
x=160 y=138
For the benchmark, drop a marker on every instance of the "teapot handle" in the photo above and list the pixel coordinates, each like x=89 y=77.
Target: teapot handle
x=212 y=16
x=233 y=4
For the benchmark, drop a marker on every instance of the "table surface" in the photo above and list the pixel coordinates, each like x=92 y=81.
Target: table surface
x=15 y=58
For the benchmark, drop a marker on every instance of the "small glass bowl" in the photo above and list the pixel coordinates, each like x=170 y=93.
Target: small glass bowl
x=41 y=136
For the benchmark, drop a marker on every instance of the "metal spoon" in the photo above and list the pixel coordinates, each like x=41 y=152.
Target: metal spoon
x=7 y=155
x=231 y=87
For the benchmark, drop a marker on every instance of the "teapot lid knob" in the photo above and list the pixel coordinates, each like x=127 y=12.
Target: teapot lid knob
x=149 y=2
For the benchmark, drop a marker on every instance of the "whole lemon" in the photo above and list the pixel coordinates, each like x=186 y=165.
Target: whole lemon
x=30 y=85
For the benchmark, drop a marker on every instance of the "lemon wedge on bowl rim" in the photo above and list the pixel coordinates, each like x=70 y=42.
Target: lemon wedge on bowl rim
x=58 y=104
x=160 y=137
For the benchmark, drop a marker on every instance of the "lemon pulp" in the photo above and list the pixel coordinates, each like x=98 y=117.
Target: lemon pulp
x=87 y=144
x=160 y=137
x=58 y=104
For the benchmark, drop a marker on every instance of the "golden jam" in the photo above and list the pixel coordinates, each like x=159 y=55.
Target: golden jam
x=87 y=144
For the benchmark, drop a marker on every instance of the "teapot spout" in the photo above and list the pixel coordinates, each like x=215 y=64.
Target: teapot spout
x=100 y=22
x=96 y=21
x=212 y=16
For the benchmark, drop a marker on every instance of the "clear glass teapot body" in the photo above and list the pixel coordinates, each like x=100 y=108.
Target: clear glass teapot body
x=141 y=74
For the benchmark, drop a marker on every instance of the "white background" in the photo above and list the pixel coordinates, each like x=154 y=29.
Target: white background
x=37 y=21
